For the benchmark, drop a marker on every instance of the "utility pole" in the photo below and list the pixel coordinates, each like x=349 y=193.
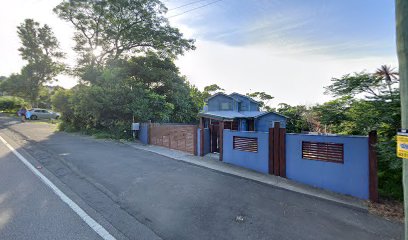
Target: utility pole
x=401 y=10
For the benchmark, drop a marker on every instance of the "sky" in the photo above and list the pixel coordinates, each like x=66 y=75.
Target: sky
x=290 y=49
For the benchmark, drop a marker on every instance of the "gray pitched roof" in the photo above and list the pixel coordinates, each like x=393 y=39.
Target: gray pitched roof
x=222 y=114
x=249 y=98
x=223 y=94
x=229 y=115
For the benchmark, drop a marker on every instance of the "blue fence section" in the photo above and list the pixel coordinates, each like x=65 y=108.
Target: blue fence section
x=350 y=177
x=257 y=161
x=263 y=123
x=206 y=141
x=144 y=133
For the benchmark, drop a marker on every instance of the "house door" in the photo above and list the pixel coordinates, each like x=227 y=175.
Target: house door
x=215 y=135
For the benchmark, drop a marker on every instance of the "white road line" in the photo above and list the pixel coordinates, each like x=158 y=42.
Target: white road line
x=81 y=213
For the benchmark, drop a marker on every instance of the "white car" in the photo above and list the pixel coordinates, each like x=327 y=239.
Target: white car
x=39 y=113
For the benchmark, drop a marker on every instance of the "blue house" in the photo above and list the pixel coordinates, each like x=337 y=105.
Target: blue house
x=235 y=112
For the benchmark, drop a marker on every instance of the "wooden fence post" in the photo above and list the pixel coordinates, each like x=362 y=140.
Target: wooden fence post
x=149 y=131
x=201 y=137
x=276 y=148
x=221 y=139
x=270 y=138
x=282 y=153
x=373 y=167
x=195 y=128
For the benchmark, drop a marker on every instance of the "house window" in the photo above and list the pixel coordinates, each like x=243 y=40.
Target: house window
x=243 y=107
x=323 y=151
x=245 y=144
x=226 y=106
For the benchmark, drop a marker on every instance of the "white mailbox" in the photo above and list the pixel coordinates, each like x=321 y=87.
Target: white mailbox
x=135 y=126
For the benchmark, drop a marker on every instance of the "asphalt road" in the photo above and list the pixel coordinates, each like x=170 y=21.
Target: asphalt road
x=143 y=195
x=30 y=210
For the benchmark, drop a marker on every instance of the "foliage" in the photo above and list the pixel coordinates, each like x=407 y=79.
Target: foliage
x=12 y=104
x=263 y=98
x=109 y=29
x=380 y=110
x=40 y=49
x=332 y=113
x=296 y=121
x=210 y=90
x=371 y=86
x=140 y=89
x=15 y=85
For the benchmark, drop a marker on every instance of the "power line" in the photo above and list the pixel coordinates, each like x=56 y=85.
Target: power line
x=187 y=4
x=205 y=5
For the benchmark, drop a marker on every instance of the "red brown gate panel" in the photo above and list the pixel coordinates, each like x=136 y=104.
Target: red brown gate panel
x=277 y=158
x=178 y=137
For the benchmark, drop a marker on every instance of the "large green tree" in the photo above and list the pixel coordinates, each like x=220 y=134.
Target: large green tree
x=369 y=85
x=40 y=48
x=372 y=103
x=111 y=29
x=296 y=121
x=263 y=98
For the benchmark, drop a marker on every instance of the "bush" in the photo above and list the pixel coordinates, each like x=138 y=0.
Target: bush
x=12 y=104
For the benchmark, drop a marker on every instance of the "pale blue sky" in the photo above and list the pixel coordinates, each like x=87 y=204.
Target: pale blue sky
x=288 y=48
x=349 y=27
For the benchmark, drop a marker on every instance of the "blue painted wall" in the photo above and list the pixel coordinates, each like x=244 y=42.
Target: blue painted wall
x=243 y=125
x=255 y=161
x=350 y=178
x=245 y=103
x=206 y=141
x=214 y=104
x=265 y=122
x=253 y=106
x=144 y=133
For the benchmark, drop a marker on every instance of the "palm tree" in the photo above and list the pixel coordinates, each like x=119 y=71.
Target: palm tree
x=388 y=74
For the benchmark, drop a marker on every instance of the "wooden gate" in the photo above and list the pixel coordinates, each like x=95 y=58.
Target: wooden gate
x=174 y=136
x=277 y=158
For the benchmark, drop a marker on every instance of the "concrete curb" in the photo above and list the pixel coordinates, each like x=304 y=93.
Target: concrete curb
x=270 y=180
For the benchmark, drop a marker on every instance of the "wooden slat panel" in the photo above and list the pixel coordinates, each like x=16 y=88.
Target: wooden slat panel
x=245 y=144
x=276 y=161
x=180 y=137
x=282 y=154
x=323 y=151
x=271 y=143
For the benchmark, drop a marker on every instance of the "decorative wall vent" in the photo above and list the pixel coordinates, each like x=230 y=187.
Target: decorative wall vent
x=323 y=151
x=245 y=144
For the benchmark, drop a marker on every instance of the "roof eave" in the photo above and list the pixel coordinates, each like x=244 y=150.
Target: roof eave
x=215 y=117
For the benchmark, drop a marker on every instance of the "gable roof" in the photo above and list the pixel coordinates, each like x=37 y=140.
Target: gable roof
x=222 y=94
x=249 y=98
x=230 y=115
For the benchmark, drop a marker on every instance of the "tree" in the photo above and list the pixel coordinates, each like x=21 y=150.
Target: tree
x=15 y=85
x=332 y=113
x=140 y=89
x=401 y=9
x=355 y=84
x=109 y=29
x=162 y=77
x=389 y=75
x=263 y=98
x=210 y=90
x=296 y=121
x=40 y=49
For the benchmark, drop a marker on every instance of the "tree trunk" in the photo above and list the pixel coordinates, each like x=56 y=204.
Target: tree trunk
x=401 y=9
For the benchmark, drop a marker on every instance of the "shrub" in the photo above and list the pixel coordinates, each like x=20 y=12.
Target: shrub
x=12 y=104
